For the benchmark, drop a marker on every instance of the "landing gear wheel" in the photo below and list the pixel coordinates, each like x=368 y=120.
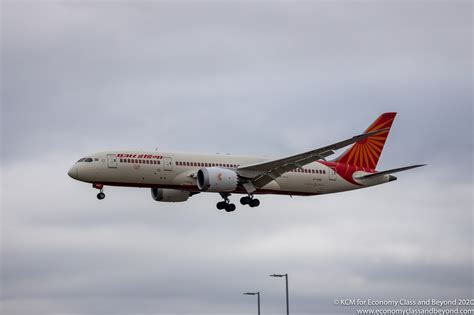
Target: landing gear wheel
x=100 y=196
x=245 y=200
x=254 y=203
x=230 y=207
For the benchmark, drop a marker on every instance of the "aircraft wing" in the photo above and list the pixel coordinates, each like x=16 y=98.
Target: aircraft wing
x=260 y=174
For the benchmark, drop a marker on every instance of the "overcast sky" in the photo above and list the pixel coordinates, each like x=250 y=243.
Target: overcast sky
x=267 y=78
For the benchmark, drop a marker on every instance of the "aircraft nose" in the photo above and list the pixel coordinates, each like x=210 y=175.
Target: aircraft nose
x=73 y=172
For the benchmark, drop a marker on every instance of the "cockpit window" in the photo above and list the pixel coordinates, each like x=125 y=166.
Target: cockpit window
x=85 y=160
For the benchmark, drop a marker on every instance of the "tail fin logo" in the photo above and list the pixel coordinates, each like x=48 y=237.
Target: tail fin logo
x=366 y=153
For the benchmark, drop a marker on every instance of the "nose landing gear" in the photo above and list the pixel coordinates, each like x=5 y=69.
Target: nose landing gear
x=249 y=200
x=225 y=205
x=101 y=194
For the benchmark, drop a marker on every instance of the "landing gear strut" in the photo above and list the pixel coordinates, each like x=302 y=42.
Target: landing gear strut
x=249 y=200
x=226 y=205
x=101 y=194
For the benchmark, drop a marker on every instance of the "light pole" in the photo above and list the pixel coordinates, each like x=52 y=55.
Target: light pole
x=287 y=302
x=258 y=298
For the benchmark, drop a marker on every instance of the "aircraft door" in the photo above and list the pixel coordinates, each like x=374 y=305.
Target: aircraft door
x=332 y=174
x=168 y=164
x=111 y=161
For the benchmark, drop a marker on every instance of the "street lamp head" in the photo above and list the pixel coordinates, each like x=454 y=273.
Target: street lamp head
x=250 y=293
x=275 y=275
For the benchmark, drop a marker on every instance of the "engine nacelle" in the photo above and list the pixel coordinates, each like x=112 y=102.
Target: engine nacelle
x=169 y=195
x=217 y=179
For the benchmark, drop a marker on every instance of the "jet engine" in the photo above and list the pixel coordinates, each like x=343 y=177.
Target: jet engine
x=215 y=179
x=169 y=195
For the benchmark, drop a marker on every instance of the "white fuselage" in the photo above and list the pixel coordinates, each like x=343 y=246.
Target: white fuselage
x=178 y=171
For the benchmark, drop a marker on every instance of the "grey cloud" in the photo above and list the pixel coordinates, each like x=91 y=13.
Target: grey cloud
x=255 y=78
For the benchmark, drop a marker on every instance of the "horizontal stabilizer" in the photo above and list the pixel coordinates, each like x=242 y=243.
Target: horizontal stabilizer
x=395 y=170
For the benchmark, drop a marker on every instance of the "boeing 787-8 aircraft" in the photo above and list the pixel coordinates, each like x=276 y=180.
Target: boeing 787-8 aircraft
x=174 y=177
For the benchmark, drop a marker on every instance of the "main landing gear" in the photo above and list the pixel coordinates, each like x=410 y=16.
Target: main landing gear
x=229 y=207
x=225 y=205
x=249 y=200
x=101 y=194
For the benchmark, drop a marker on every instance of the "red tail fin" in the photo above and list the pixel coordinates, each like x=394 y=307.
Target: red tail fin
x=366 y=153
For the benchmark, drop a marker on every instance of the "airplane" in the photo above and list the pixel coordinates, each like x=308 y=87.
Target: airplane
x=174 y=177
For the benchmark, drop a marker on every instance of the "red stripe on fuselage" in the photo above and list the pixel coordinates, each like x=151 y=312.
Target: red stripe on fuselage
x=193 y=188
x=346 y=170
